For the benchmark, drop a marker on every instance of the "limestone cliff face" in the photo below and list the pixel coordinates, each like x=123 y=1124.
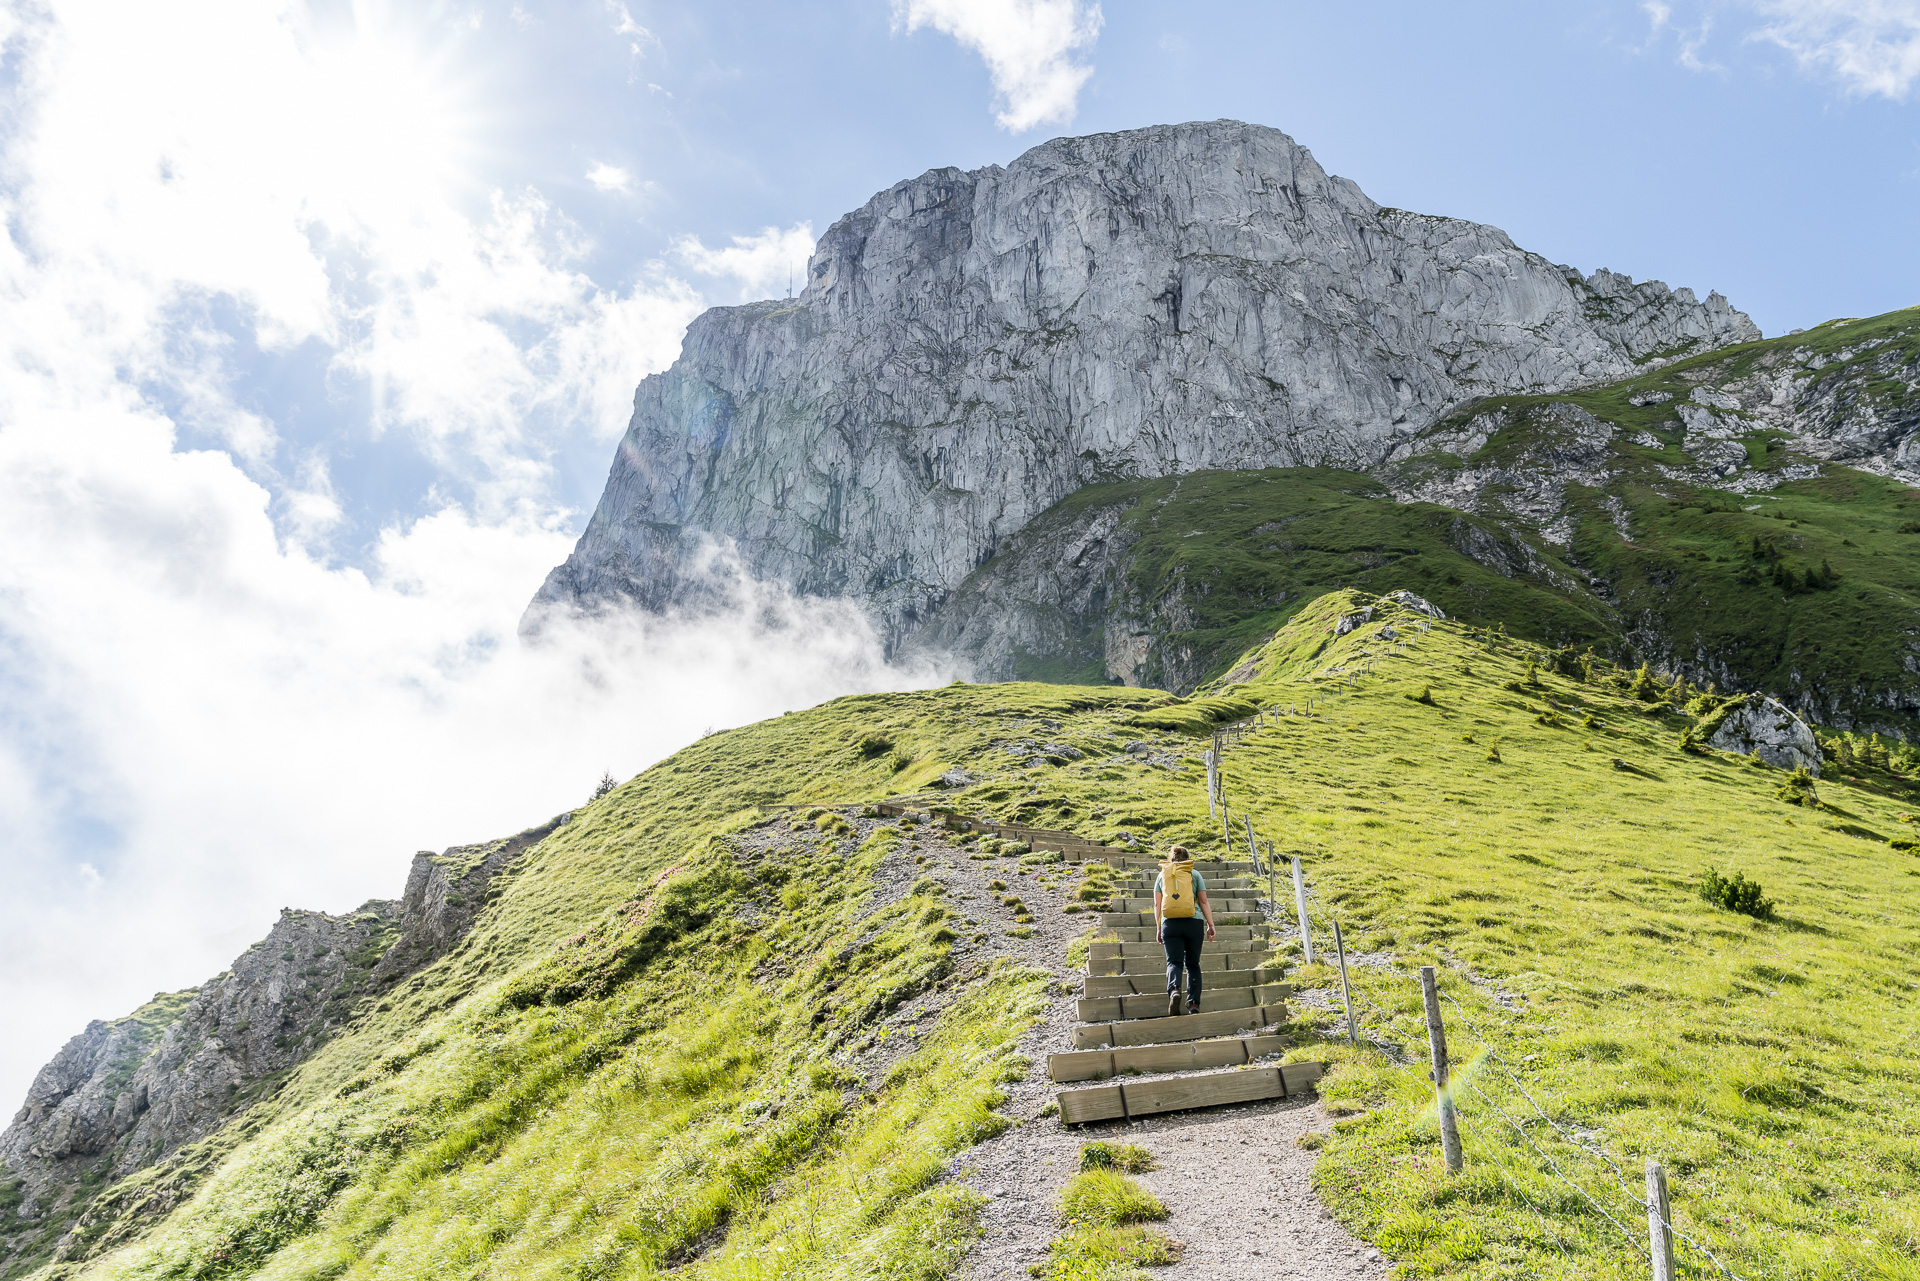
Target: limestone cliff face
x=972 y=347
x=125 y=1094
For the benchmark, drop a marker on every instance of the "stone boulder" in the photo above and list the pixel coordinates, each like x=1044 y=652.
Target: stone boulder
x=1765 y=725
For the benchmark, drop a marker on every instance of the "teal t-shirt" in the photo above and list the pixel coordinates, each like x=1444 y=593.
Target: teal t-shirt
x=1199 y=884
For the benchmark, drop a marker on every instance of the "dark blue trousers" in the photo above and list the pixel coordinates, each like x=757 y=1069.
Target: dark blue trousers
x=1182 y=937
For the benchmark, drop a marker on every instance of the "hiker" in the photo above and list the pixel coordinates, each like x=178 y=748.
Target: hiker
x=1177 y=891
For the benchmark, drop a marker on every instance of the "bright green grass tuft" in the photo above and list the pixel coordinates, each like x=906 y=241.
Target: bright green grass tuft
x=1104 y=1197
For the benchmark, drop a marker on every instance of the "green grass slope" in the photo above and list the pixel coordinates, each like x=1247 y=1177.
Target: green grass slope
x=639 y=1061
x=1223 y=558
x=1808 y=589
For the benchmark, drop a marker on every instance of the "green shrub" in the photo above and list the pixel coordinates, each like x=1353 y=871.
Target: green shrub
x=1798 y=789
x=1736 y=894
x=873 y=744
x=1109 y=1199
x=1493 y=751
x=1424 y=696
x=1128 y=1158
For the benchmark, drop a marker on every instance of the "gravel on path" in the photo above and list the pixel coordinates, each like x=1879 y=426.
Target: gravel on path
x=1238 y=1185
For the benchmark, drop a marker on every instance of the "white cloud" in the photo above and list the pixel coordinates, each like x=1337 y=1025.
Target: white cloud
x=1869 y=46
x=626 y=26
x=204 y=715
x=764 y=265
x=1028 y=46
x=1690 y=40
x=606 y=177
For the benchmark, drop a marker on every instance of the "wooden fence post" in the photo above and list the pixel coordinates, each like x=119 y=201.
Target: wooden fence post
x=1442 y=1092
x=1659 y=1222
x=1272 y=889
x=1346 y=993
x=1300 y=902
x=1253 y=850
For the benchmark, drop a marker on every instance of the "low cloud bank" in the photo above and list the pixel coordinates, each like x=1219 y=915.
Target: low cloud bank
x=194 y=750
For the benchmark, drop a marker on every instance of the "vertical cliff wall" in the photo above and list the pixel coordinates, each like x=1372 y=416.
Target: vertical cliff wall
x=972 y=347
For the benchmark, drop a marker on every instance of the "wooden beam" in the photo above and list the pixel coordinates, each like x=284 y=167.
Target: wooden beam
x=1188 y=1027
x=1143 y=934
x=1097 y=985
x=1144 y=903
x=1154 y=961
x=1180 y=1093
x=1098 y=1065
x=1123 y=920
x=1153 y=1006
x=1149 y=948
x=1211 y=962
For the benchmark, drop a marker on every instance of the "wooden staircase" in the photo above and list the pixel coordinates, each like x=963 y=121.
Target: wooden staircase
x=1124 y=1028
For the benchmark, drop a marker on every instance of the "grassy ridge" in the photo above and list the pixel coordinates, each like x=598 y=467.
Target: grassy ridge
x=1771 y=1065
x=1229 y=556
x=1691 y=576
x=638 y=1060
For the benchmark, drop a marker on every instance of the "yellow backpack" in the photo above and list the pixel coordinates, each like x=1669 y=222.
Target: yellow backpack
x=1176 y=889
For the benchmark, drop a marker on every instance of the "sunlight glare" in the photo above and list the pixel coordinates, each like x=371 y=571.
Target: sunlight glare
x=385 y=127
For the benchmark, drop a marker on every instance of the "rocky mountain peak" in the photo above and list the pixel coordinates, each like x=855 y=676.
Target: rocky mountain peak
x=973 y=346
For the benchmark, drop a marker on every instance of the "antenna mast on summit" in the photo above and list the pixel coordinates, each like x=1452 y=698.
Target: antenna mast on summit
x=789 y=280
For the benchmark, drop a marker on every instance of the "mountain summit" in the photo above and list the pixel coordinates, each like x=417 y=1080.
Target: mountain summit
x=973 y=347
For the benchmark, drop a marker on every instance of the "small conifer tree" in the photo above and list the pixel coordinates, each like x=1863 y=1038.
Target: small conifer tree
x=1644 y=687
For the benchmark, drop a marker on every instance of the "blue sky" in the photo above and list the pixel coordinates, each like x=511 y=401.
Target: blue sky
x=323 y=319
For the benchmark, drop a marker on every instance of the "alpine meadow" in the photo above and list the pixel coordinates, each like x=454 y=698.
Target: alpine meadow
x=1528 y=662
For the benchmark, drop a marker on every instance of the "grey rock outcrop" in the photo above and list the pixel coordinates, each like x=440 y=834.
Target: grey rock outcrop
x=124 y=1094
x=444 y=893
x=1768 y=727
x=127 y=1093
x=972 y=347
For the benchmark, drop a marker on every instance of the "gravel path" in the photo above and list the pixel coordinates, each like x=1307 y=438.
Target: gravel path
x=1238 y=1185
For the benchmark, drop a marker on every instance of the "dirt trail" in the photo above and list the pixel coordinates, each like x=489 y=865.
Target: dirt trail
x=1237 y=1183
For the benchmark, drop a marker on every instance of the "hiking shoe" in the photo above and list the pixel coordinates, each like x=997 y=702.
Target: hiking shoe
x=1193 y=1007
x=1173 y=1003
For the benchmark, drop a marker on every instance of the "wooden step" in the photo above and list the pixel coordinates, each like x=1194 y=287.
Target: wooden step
x=1143 y=935
x=1144 y=903
x=1186 y=1027
x=1133 y=984
x=1123 y=920
x=1128 y=1099
x=1108 y=1009
x=1149 y=866
x=1211 y=961
x=1145 y=880
x=1150 y=949
x=1098 y=1065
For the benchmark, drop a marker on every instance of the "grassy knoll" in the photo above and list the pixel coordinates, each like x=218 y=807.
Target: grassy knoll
x=636 y=1063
